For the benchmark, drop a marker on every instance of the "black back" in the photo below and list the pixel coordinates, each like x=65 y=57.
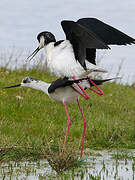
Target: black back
x=58 y=43
x=59 y=83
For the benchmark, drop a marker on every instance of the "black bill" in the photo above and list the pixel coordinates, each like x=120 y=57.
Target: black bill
x=33 y=54
x=17 y=85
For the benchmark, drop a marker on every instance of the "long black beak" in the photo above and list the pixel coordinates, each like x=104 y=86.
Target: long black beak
x=33 y=54
x=17 y=85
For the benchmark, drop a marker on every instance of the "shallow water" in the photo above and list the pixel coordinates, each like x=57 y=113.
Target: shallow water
x=109 y=168
x=100 y=165
x=21 y=21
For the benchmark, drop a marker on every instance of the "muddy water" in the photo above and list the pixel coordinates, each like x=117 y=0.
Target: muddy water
x=98 y=165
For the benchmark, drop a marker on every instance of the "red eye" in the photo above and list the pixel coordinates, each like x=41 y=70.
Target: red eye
x=25 y=81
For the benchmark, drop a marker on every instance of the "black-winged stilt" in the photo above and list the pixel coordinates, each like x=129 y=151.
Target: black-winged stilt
x=64 y=91
x=76 y=54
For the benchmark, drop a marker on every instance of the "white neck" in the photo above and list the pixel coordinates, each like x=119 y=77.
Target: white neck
x=38 y=85
x=48 y=50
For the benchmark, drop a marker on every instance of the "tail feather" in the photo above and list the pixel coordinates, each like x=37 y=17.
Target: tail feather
x=99 y=82
x=86 y=84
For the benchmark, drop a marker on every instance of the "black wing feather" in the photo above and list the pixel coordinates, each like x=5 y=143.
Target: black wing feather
x=88 y=34
x=100 y=81
x=105 y=32
x=59 y=83
x=91 y=55
x=81 y=38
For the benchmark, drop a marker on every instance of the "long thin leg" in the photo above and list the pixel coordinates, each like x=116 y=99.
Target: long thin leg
x=84 y=127
x=86 y=96
x=99 y=92
x=69 y=125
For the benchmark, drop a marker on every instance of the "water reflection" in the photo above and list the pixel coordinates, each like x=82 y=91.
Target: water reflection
x=99 y=165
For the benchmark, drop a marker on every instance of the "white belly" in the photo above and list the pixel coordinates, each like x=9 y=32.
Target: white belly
x=65 y=94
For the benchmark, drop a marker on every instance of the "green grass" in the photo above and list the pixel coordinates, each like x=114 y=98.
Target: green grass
x=123 y=155
x=34 y=122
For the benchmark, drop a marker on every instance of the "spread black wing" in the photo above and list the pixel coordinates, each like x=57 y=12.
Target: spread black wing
x=81 y=39
x=105 y=32
x=108 y=34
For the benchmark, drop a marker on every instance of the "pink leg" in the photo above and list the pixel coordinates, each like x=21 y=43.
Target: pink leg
x=69 y=124
x=86 y=96
x=84 y=127
x=99 y=92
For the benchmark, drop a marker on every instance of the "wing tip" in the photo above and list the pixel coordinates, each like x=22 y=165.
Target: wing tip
x=131 y=41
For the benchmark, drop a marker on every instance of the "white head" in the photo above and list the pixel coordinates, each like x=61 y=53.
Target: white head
x=33 y=83
x=26 y=82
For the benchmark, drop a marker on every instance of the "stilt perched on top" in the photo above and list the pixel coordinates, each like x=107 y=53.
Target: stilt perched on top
x=76 y=55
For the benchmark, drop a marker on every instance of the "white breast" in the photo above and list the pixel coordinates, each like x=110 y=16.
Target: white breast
x=61 y=60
